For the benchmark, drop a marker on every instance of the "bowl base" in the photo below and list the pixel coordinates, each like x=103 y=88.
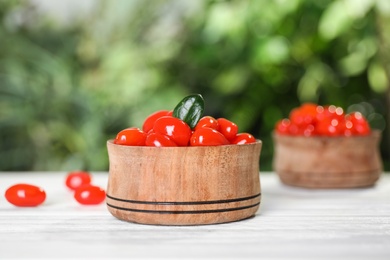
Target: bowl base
x=329 y=180
x=142 y=218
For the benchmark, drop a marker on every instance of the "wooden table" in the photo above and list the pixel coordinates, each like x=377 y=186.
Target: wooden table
x=291 y=223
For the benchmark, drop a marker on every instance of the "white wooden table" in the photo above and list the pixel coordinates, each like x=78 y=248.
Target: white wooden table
x=291 y=223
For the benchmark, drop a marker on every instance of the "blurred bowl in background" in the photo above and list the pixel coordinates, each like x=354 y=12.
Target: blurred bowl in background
x=328 y=162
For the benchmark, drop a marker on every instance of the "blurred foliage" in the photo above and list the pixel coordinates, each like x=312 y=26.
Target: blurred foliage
x=65 y=88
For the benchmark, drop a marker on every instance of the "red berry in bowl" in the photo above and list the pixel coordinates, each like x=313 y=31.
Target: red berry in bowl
x=159 y=140
x=151 y=119
x=207 y=121
x=131 y=136
x=314 y=120
x=360 y=124
x=207 y=137
x=227 y=128
x=243 y=138
x=176 y=129
x=282 y=126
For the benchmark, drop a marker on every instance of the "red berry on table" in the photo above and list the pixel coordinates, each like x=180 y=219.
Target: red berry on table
x=25 y=195
x=243 y=138
x=89 y=195
x=176 y=129
x=131 y=136
x=159 y=140
x=227 y=128
x=207 y=137
x=76 y=179
x=151 y=119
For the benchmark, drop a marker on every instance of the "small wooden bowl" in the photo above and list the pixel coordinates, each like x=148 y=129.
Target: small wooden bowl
x=183 y=185
x=328 y=162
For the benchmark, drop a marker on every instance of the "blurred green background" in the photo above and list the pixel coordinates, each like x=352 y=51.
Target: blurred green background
x=66 y=86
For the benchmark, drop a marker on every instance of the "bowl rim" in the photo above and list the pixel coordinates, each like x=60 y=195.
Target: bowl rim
x=258 y=141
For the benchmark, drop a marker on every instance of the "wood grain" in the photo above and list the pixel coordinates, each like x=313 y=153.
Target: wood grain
x=328 y=162
x=183 y=185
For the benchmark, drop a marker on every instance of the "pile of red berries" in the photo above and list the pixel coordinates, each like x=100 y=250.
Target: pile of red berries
x=315 y=120
x=161 y=129
x=184 y=126
x=27 y=195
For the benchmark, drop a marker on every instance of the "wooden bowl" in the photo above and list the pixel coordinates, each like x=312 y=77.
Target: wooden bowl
x=183 y=185
x=328 y=162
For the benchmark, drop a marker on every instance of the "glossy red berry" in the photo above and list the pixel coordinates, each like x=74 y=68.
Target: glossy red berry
x=207 y=121
x=25 y=195
x=131 y=136
x=176 y=129
x=159 y=140
x=77 y=178
x=207 y=137
x=282 y=126
x=151 y=119
x=348 y=125
x=310 y=109
x=227 y=128
x=243 y=138
x=330 y=112
x=294 y=129
x=89 y=195
x=329 y=127
x=304 y=115
x=360 y=124
x=309 y=130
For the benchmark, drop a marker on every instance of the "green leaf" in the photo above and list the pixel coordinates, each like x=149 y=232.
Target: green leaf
x=190 y=109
